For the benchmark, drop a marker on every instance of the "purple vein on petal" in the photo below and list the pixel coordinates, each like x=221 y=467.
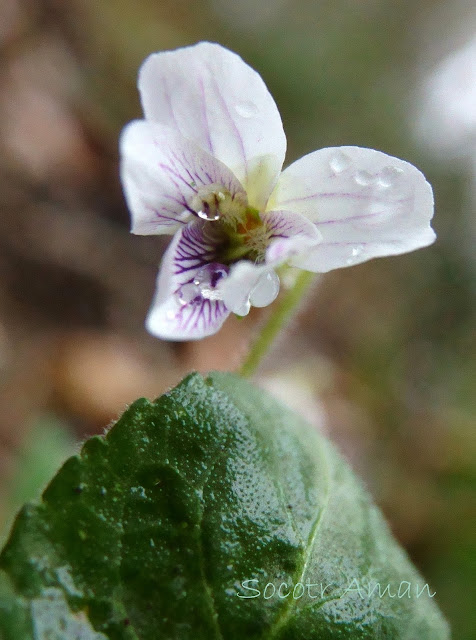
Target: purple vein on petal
x=344 y=244
x=194 y=177
x=200 y=314
x=364 y=216
x=166 y=220
x=191 y=250
x=173 y=171
x=346 y=196
x=232 y=122
x=168 y=99
x=205 y=116
x=182 y=203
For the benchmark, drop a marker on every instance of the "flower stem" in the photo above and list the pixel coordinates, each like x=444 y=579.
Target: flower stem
x=278 y=318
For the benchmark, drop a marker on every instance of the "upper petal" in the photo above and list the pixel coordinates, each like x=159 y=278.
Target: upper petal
x=211 y=96
x=364 y=202
x=187 y=305
x=161 y=172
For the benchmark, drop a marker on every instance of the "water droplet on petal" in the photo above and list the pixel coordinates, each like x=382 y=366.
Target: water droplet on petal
x=209 y=216
x=388 y=176
x=266 y=290
x=210 y=275
x=243 y=309
x=207 y=278
x=187 y=293
x=339 y=162
x=363 y=177
x=247 y=109
x=210 y=294
x=355 y=253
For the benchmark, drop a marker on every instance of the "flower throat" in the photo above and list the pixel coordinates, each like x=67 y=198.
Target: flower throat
x=237 y=229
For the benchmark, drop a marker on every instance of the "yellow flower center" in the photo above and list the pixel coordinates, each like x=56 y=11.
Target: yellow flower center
x=236 y=228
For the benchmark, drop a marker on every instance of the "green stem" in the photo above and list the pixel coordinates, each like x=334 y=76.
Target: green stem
x=278 y=318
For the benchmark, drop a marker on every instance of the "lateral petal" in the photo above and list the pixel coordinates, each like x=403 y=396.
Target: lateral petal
x=365 y=204
x=161 y=173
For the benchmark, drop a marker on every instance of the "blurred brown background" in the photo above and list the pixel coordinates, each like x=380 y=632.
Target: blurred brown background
x=382 y=357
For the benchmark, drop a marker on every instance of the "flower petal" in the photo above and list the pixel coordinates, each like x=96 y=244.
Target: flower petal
x=290 y=234
x=211 y=96
x=257 y=285
x=364 y=202
x=249 y=285
x=188 y=305
x=161 y=173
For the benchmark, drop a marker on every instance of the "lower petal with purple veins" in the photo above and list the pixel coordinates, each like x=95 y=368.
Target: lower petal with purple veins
x=188 y=304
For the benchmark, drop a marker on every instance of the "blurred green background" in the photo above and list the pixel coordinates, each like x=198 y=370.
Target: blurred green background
x=382 y=357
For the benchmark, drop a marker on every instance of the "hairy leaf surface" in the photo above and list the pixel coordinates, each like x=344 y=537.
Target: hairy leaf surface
x=211 y=513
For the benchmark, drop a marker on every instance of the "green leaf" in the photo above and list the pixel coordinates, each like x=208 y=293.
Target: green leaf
x=153 y=531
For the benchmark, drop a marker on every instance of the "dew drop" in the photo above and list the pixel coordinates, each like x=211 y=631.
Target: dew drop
x=265 y=290
x=206 y=280
x=388 y=176
x=247 y=109
x=187 y=293
x=210 y=217
x=339 y=162
x=355 y=253
x=363 y=177
x=243 y=309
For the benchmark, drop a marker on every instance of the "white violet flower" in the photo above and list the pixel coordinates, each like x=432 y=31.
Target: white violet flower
x=205 y=166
